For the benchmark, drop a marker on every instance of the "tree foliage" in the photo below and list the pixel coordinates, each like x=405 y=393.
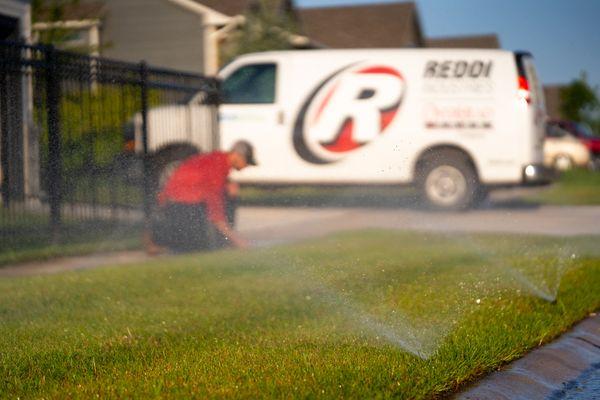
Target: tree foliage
x=268 y=26
x=579 y=101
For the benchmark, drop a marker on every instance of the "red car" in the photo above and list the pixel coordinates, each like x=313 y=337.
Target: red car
x=585 y=134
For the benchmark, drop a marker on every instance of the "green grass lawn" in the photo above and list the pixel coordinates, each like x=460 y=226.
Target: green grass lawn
x=577 y=187
x=307 y=196
x=356 y=315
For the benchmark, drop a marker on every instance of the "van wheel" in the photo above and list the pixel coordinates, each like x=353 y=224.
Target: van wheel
x=563 y=162
x=447 y=181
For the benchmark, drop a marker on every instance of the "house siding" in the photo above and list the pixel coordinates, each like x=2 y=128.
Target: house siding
x=156 y=31
x=553 y=101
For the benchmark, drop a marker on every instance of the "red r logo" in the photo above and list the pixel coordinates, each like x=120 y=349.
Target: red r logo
x=348 y=111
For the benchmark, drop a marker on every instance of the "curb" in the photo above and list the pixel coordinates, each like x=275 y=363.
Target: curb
x=549 y=371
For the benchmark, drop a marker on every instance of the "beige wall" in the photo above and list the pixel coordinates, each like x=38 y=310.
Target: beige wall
x=157 y=31
x=552 y=95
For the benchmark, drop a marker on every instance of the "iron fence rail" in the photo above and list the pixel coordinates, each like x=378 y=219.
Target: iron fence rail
x=63 y=123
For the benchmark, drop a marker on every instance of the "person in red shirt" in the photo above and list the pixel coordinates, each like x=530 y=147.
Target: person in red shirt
x=192 y=205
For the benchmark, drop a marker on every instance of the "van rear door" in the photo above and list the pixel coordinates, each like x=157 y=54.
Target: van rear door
x=529 y=81
x=530 y=90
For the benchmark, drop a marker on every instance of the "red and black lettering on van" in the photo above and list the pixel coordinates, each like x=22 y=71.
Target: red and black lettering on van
x=447 y=69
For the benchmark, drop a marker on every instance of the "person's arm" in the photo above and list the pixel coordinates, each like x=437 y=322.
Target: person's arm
x=216 y=215
x=226 y=231
x=233 y=189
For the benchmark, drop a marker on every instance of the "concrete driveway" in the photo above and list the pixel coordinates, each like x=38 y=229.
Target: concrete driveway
x=265 y=226
x=270 y=225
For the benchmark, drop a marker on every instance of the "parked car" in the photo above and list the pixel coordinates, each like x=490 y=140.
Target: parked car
x=563 y=151
x=586 y=136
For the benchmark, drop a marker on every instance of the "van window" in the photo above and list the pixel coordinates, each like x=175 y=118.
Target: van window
x=251 y=84
x=527 y=69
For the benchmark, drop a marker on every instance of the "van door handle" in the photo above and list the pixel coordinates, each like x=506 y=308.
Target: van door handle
x=281 y=117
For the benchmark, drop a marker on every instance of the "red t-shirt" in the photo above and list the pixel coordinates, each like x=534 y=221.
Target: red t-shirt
x=199 y=179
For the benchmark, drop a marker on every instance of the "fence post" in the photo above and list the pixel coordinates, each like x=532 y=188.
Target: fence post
x=4 y=115
x=215 y=97
x=54 y=142
x=146 y=164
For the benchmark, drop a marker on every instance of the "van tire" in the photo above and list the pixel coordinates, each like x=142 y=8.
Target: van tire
x=447 y=181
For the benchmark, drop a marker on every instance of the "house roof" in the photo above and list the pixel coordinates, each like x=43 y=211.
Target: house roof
x=95 y=9
x=489 y=41
x=374 y=25
x=75 y=12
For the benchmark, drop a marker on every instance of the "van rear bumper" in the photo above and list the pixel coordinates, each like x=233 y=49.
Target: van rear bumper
x=537 y=174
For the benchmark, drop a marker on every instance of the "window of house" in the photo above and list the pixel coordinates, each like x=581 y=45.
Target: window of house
x=251 y=84
x=9 y=28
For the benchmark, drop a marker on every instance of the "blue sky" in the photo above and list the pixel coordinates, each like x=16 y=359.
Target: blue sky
x=563 y=35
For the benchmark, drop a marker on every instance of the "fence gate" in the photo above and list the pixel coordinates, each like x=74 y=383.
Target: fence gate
x=67 y=170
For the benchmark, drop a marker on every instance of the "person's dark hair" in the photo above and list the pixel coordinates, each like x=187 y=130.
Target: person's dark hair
x=246 y=150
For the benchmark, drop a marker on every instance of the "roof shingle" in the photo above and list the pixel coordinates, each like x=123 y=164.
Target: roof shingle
x=489 y=41
x=372 y=26
x=75 y=12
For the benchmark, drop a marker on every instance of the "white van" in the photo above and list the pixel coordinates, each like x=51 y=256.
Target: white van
x=453 y=122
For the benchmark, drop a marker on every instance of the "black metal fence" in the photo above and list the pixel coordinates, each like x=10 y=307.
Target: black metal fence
x=69 y=154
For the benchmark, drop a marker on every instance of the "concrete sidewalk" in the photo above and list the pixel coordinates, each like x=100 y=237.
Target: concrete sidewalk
x=63 y=264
